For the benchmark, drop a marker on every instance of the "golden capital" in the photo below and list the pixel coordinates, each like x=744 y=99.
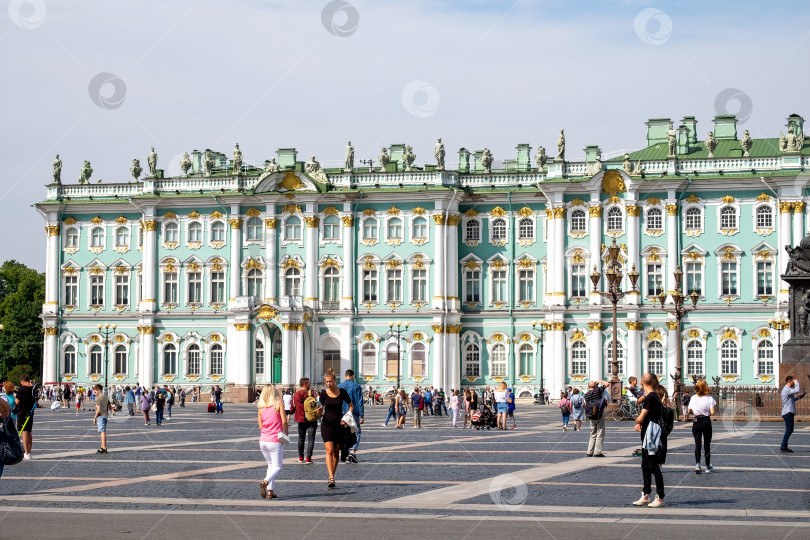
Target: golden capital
x=597 y=325
x=236 y=223
x=438 y=219
x=146 y=329
x=595 y=211
x=293 y=327
x=453 y=220
x=348 y=221
x=312 y=222
x=798 y=207
x=559 y=212
x=242 y=327
x=633 y=210
x=672 y=325
x=52 y=230
x=52 y=331
x=437 y=328
x=150 y=225
x=270 y=223
x=634 y=325
x=672 y=209
x=560 y=326
x=785 y=207
x=453 y=329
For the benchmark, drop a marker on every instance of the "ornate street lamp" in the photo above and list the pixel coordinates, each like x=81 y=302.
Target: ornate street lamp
x=398 y=333
x=678 y=309
x=542 y=330
x=106 y=330
x=613 y=272
x=779 y=324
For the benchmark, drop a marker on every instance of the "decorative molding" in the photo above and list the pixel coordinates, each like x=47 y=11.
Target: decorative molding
x=270 y=223
x=577 y=336
x=798 y=207
x=312 y=222
x=595 y=211
x=52 y=230
x=194 y=215
x=672 y=325
x=577 y=202
x=525 y=212
x=471 y=212
x=596 y=325
x=438 y=219
x=169 y=215
x=672 y=209
x=560 y=326
x=348 y=221
x=728 y=199
x=559 y=212
x=294 y=327
x=70 y=220
x=634 y=325
x=216 y=214
x=419 y=211
x=242 y=327
x=729 y=333
x=654 y=334
x=653 y=201
x=393 y=211
x=763 y=197
x=150 y=225
x=498 y=212
x=692 y=198
x=96 y=221
x=330 y=211
x=236 y=223
x=633 y=210
x=251 y=212
x=453 y=220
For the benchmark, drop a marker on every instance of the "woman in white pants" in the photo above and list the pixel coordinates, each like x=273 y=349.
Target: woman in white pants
x=455 y=406
x=272 y=420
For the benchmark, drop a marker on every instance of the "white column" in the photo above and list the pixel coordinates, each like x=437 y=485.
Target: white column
x=438 y=356
x=559 y=260
x=303 y=353
x=347 y=347
x=552 y=253
x=672 y=245
x=149 y=267
x=236 y=253
x=147 y=376
x=438 y=262
x=633 y=211
x=673 y=342
x=311 y=259
x=290 y=352
x=595 y=233
x=452 y=360
x=633 y=361
x=451 y=248
x=798 y=221
x=270 y=255
x=558 y=359
x=238 y=371
x=50 y=356
x=346 y=302
x=595 y=348
x=52 y=273
x=784 y=235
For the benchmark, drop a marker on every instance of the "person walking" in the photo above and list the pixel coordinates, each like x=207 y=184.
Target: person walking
x=26 y=403
x=467 y=407
x=182 y=396
x=79 y=400
x=129 y=400
x=355 y=392
x=427 y=397
x=332 y=400
x=702 y=407
x=306 y=428
x=418 y=405
x=789 y=397
x=455 y=407
x=160 y=405
x=392 y=410
x=272 y=421
x=565 y=409
x=169 y=399
x=146 y=404
x=402 y=409
x=650 y=415
x=288 y=402
x=596 y=399
x=663 y=396
x=371 y=396
x=510 y=412
x=218 y=399
x=440 y=401
x=11 y=396
x=103 y=409
x=5 y=414
x=577 y=409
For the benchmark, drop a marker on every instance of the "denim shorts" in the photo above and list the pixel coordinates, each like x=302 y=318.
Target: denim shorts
x=101 y=421
x=503 y=407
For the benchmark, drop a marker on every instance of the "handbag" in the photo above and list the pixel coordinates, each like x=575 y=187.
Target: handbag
x=10 y=446
x=283 y=438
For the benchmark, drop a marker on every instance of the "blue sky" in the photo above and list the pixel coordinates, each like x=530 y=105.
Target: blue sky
x=206 y=74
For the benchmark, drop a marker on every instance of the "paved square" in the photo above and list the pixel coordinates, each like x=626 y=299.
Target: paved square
x=200 y=472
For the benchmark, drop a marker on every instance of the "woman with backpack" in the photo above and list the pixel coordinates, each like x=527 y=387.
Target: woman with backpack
x=305 y=411
x=578 y=408
x=272 y=421
x=565 y=409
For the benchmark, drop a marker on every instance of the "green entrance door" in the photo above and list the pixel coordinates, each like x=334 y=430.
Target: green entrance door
x=276 y=368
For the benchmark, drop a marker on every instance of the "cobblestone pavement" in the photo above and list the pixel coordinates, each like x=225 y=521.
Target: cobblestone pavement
x=200 y=464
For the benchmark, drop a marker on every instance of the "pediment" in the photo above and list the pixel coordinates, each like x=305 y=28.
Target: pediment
x=284 y=181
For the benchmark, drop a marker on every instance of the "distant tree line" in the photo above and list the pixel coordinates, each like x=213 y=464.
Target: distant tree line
x=22 y=293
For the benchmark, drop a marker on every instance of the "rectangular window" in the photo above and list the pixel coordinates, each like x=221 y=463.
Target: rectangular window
x=419 y=287
x=72 y=290
x=170 y=287
x=655 y=278
x=194 y=288
x=394 y=290
x=526 y=284
x=579 y=280
x=217 y=287
x=499 y=285
x=729 y=278
x=472 y=290
x=369 y=285
x=764 y=278
x=369 y=360
x=121 y=290
x=472 y=362
x=693 y=277
x=96 y=290
x=370 y=229
x=392 y=368
x=765 y=358
x=420 y=228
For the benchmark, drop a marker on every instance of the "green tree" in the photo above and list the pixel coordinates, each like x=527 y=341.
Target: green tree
x=22 y=293
x=14 y=373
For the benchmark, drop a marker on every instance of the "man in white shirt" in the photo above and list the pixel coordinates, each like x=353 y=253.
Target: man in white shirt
x=790 y=393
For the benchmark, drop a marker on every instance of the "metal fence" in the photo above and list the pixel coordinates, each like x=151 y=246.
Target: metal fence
x=752 y=403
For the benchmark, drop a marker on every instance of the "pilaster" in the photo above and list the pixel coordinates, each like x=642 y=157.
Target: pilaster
x=595 y=349
x=784 y=234
x=559 y=244
x=347 y=300
x=633 y=211
x=148 y=302
x=235 y=222
x=633 y=361
x=438 y=261
x=271 y=254
x=595 y=232
x=672 y=244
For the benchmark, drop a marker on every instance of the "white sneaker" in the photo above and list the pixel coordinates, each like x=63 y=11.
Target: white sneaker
x=643 y=501
x=698 y=470
x=384 y=425
x=658 y=502
x=709 y=469
x=26 y=456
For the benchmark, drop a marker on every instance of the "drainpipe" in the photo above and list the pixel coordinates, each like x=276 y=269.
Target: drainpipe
x=353 y=264
x=512 y=294
x=444 y=282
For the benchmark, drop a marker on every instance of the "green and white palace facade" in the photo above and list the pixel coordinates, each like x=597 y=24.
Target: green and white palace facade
x=240 y=275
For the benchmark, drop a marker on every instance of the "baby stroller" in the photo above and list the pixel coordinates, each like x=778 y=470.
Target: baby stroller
x=483 y=418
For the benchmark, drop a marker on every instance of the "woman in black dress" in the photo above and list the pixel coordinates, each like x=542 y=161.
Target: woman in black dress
x=332 y=399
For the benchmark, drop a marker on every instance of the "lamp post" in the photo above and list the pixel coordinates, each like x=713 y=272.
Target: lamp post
x=106 y=330
x=613 y=272
x=396 y=332
x=542 y=330
x=779 y=324
x=678 y=309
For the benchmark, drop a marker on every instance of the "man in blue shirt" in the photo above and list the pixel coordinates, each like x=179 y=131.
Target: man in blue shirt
x=428 y=399
x=355 y=392
x=790 y=393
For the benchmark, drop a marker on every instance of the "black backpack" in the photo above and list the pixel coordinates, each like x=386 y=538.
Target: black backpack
x=11 y=449
x=594 y=404
x=667 y=419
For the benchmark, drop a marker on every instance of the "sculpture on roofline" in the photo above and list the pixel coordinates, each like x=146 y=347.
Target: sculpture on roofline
x=438 y=153
x=86 y=173
x=135 y=170
x=208 y=163
x=486 y=160
x=349 y=165
x=540 y=157
x=152 y=161
x=596 y=168
x=626 y=165
x=384 y=158
x=710 y=143
x=746 y=143
x=270 y=166
x=408 y=157
x=561 y=146
x=185 y=164
x=790 y=142
x=237 y=160
x=672 y=141
x=313 y=169
x=57 y=171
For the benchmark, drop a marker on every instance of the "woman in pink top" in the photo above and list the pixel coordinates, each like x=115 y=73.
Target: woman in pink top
x=272 y=420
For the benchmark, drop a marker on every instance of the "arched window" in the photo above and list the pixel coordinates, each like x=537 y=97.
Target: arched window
x=195 y=229
x=120 y=360
x=420 y=227
x=472 y=361
x=218 y=231
x=694 y=219
x=764 y=217
x=331 y=287
x=499 y=230
x=254 y=283
x=121 y=237
x=193 y=356
x=254 y=229
x=97 y=237
x=615 y=219
x=370 y=229
x=292 y=282
x=217 y=360
x=655 y=219
x=170 y=359
x=472 y=231
x=579 y=358
x=609 y=357
x=69 y=360
x=292 y=229
x=331 y=228
x=95 y=360
x=728 y=217
x=259 y=352
x=526 y=360
x=694 y=359
x=171 y=232
x=765 y=357
x=655 y=358
x=392 y=368
x=729 y=358
x=497 y=361
x=577 y=221
x=526 y=229
x=369 y=359
x=418 y=360
x=72 y=238
x=394 y=228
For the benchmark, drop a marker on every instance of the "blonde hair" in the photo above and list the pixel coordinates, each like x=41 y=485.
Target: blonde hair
x=329 y=375
x=268 y=397
x=502 y=387
x=702 y=388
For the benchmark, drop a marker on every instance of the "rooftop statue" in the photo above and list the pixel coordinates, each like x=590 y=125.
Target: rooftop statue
x=237 y=160
x=152 y=161
x=626 y=165
x=270 y=166
x=672 y=140
x=790 y=142
x=408 y=157
x=313 y=169
x=185 y=164
x=486 y=160
x=561 y=146
x=57 y=171
x=746 y=143
x=384 y=158
x=87 y=172
x=596 y=168
x=135 y=170
x=349 y=165
x=540 y=157
x=438 y=153
x=208 y=163
x=710 y=143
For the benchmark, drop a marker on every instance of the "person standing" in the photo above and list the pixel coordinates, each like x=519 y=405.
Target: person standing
x=355 y=392
x=272 y=421
x=11 y=397
x=455 y=407
x=596 y=399
x=103 y=409
x=129 y=400
x=160 y=405
x=371 y=396
x=288 y=402
x=392 y=410
x=428 y=399
x=25 y=417
x=218 y=399
x=79 y=399
x=650 y=414
x=789 y=397
x=169 y=394
x=146 y=404
x=418 y=404
x=402 y=409
x=510 y=412
x=5 y=413
x=332 y=401
x=306 y=428
x=182 y=395
x=565 y=409
x=577 y=408
x=440 y=405
x=702 y=407
x=467 y=407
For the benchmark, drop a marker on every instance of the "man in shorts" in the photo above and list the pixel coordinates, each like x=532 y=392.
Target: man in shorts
x=100 y=419
x=25 y=418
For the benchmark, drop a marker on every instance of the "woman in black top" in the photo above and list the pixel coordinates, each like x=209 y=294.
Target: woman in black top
x=332 y=399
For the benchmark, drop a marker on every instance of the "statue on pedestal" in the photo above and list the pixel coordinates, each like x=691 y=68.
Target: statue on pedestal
x=208 y=163
x=86 y=173
x=672 y=141
x=626 y=165
x=790 y=142
x=237 y=161
x=384 y=158
x=185 y=164
x=152 y=161
x=710 y=143
x=270 y=166
x=540 y=157
x=57 y=171
x=349 y=165
x=438 y=153
x=408 y=157
x=135 y=170
x=313 y=169
x=746 y=143
x=486 y=160
x=561 y=146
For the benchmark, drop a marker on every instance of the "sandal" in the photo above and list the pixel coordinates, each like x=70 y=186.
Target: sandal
x=331 y=483
x=272 y=495
x=263 y=489
x=101 y=451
